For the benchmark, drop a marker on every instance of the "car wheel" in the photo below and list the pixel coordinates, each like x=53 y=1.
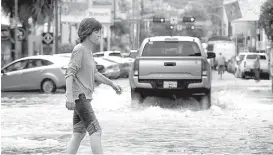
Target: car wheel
x=205 y=101
x=136 y=97
x=48 y=86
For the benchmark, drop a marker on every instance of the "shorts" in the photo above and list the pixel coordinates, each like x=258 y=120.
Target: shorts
x=84 y=118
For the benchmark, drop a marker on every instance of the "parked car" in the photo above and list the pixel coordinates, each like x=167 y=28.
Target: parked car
x=107 y=54
x=124 y=65
x=245 y=66
x=171 y=66
x=127 y=58
x=109 y=69
x=43 y=72
x=231 y=64
x=133 y=54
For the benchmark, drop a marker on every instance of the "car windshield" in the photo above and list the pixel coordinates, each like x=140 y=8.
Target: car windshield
x=171 y=48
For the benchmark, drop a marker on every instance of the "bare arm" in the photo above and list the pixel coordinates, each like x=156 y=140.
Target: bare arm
x=102 y=79
x=68 y=82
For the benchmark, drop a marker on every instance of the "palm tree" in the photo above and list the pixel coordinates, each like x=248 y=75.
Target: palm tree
x=41 y=11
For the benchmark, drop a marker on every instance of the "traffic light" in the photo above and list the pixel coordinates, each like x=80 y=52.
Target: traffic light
x=192 y=27
x=158 y=20
x=188 y=19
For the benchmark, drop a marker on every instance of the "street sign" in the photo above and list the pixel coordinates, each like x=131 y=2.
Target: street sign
x=233 y=11
x=102 y=3
x=179 y=27
x=5 y=33
x=103 y=15
x=173 y=20
x=48 y=38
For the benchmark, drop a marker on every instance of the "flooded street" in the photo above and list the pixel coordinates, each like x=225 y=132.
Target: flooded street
x=239 y=122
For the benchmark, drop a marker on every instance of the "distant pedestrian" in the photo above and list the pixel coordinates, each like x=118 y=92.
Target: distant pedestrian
x=257 y=68
x=221 y=61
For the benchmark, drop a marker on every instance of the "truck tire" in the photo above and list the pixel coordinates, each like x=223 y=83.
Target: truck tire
x=136 y=97
x=205 y=101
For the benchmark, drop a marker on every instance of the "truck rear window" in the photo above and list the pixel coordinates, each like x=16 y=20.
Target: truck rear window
x=262 y=57
x=171 y=48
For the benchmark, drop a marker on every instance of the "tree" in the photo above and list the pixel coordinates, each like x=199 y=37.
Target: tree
x=120 y=27
x=266 y=18
x=40 y=11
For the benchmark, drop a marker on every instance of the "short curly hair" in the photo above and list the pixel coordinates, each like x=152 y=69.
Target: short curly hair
x=87 y=27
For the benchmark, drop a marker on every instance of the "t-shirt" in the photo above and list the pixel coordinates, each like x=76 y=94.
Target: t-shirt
x=82 y=67
x=221 y=60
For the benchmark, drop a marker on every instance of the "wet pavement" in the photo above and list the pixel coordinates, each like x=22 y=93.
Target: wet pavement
x=240 y=121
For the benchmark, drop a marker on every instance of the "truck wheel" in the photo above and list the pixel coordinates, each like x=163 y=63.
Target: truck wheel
x=205 y=101
x=136 y=97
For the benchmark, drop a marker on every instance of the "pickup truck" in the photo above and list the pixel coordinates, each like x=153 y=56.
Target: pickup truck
x=246 y=65
x=171 y=66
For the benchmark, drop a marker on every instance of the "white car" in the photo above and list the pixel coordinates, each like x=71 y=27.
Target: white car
x=107 y=54
x=245 y=67
x=43 y=72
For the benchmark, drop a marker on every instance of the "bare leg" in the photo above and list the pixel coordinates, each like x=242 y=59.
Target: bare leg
x=95 y=142
x=74 y=143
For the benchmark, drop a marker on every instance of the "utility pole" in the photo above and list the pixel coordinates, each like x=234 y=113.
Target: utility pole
x=56 y=33
x=133 y=24
x=114 y=10
x=15 y=28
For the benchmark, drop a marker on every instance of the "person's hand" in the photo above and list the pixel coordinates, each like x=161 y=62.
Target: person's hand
x=117 y=88
x=70 y=104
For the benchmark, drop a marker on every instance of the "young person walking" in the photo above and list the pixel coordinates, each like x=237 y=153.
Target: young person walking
x=80 y=82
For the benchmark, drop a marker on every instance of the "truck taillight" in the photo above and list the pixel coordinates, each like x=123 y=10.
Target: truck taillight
x=136 y=67
x=204 y=67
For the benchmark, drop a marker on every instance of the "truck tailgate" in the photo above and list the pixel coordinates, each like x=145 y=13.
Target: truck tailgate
x=170 y=68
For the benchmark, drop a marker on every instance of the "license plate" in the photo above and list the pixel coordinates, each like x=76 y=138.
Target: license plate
x=170 y=84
